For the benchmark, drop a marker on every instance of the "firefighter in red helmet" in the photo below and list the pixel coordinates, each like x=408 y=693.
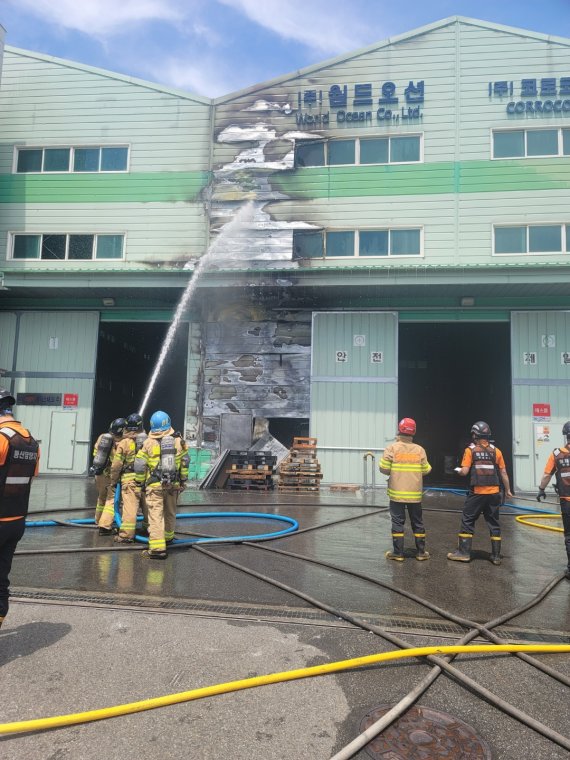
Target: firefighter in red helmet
x=405 y=463
x=19 y=462
x=484 y=464
x=558 y=464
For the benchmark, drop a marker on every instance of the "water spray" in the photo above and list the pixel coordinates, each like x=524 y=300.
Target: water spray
x=243 y=216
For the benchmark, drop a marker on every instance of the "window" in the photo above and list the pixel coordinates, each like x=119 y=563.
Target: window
x=341 y=152
x=310 y=154
x=79 y=159
x=49 y=247
x=532 y=238
x=531 y=143
x=358 y=151
x=357 y=243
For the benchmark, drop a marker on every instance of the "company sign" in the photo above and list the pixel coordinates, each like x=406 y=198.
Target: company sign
x=535 y=96
x=363 y=104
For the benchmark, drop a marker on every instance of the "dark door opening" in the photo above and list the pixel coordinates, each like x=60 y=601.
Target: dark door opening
x=450 y=376
x=126 y=355
x=287 y=428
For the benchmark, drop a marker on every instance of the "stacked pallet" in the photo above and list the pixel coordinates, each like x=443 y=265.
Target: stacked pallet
x=251 y=471
x=300 y=471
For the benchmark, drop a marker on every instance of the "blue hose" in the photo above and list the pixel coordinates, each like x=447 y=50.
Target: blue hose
x=459 y=492
x=292 y=526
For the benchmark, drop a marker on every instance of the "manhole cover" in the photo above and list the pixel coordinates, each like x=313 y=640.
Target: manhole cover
x=424 y=734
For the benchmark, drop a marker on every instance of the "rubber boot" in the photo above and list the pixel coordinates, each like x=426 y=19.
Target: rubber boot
x=421 y=553
x=398 y=551
x=1 y=621
x=463 y=551
x=495 y=550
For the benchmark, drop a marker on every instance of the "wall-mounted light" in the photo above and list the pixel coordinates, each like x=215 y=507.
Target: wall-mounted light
x=468 y=301
x=108 y=302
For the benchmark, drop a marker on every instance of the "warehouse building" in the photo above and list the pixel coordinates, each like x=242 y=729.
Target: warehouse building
x=391 y=237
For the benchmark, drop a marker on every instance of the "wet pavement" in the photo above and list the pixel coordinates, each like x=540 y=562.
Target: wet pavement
x=212 y=622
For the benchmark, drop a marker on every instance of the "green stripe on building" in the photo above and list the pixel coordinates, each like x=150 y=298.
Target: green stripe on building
x=138 y=187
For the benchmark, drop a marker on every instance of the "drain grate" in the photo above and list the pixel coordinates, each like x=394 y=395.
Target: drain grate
x=424 y=733
x=417 y=626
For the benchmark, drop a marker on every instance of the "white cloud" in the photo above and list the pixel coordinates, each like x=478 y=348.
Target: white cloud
x=327 y=26
x=204 y=79
x=103 y=17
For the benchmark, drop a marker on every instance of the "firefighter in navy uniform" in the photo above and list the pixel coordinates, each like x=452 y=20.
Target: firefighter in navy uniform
x=19 y=462
x=107 y=515
x=485 y=465
x=558 y=464
x=161 y=466
x=101 y=468
x=405 y=462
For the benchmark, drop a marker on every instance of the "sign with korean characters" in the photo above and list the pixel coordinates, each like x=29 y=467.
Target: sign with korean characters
x=541 y=412
x=70 y=400
x=533 y=95
x=361 y=103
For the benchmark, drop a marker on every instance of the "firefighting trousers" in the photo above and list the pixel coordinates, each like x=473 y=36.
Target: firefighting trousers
x=107 y=516
x=398 y=515
x=565 y=509
x=161 y=507
x=476 y=504
x=130 y=498
x=11 y=531
x=102 y=485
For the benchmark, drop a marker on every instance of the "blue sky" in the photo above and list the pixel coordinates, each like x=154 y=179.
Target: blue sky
x=213 y=47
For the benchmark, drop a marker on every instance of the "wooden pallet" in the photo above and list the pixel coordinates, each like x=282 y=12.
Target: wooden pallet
x=345 y=487
x=298 y=489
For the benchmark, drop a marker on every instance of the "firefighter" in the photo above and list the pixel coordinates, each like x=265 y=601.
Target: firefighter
x=107 y=512
x=558 y=464
x=162 y=467
x=101 y=467
x=405 y=462
x=19 y=463
x=485 y=465
x=122 y=470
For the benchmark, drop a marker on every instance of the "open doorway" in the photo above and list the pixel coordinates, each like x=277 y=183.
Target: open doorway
x=287 y=428
x=450 y=376
x=126 y=356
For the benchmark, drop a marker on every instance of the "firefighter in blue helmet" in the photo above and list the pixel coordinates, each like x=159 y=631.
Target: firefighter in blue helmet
x=161 y=466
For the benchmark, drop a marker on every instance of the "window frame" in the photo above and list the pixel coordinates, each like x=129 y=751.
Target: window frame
x=72 y=149
x=533 y=128
x=13 y=235
x=357 y=141
x=527 y=225
x=356 y=253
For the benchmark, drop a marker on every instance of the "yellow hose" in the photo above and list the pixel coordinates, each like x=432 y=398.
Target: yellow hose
x=527 y=520
x=288 y=675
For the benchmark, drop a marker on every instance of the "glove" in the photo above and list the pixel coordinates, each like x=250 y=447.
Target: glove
x=457 y=470
x=541 y=494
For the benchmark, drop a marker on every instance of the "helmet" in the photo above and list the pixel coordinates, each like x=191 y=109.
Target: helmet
x=407 y=426
x=565 y=429
x=160 y=422
x=7 y=401
x=117 y=427
x=134 y=422
x=481 y=430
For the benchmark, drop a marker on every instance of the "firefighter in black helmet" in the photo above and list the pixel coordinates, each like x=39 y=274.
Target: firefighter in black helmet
x=106 y=514
x=558 y=464
x=19 y=462
x=122 y=470
x=485 y=465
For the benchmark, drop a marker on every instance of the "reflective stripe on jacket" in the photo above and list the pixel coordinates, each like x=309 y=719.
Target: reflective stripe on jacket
x=147 y=464
x=123 y=459
x=407 y=463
